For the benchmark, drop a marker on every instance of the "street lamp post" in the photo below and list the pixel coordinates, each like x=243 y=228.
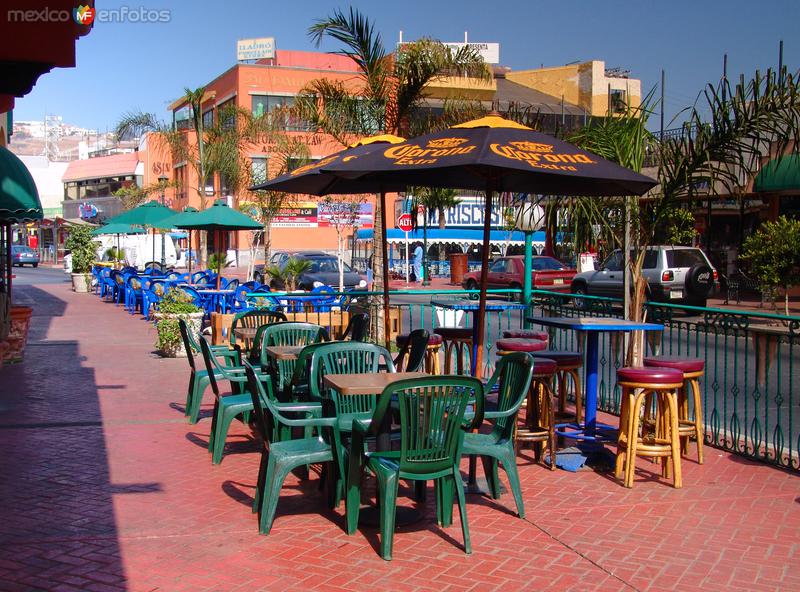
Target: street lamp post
x=162 y=180
x=529 y=218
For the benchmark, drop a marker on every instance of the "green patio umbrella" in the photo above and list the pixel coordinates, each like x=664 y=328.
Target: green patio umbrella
x=150 y=214
x=173 y=222
x=219 y=217
x=118 y=229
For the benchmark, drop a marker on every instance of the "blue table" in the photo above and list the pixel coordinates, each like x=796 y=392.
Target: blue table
x=592 y=326
x=218 y=299
x=469 y=305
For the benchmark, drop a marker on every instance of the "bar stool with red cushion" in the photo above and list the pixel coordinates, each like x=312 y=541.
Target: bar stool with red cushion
x=663 y=442
x=456 y=340
x=540 y=423
x=693 y=369
x=569 y=365
x=431 y=351
x=527 y=333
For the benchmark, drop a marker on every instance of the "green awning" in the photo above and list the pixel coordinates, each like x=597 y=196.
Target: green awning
x=780 y=174
x=19 y=199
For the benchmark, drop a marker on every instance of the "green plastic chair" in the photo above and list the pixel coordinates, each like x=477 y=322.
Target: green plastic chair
x=431 y=436
x=513 y=374
x=279 y=458
x=253 y=318
x=226 y=408
x=347 y=357
x=298 y=389
x=286 y=334
x=198 y=377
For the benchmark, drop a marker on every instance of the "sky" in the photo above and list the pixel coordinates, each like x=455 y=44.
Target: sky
x=123 y=67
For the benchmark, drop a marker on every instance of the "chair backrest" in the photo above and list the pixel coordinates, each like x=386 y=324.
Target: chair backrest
x=231 y=284
x=513 y=374
x=253 y=319
x=158 y=287
x=199 y=277
x=128 y=269
x=286 y=334
x=261 y=395
x=134 y=282
x=432 y=412
x=347 y=357
x=357 y=327
x=302 y=366
x=189 y=344
x=197 y=300
x=413 y=351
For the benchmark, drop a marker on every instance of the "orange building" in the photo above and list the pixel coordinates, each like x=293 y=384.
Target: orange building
x=259 y=87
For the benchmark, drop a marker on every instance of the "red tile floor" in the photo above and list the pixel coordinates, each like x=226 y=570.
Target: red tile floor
x=106 y=487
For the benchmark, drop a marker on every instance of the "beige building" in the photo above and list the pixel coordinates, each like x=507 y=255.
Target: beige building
x=589 y=85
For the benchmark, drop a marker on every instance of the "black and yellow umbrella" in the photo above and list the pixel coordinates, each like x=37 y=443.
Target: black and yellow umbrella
x=492 y=154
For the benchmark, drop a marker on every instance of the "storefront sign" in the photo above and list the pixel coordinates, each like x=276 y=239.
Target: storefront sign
x=490 y=52
x=326 y=215
x=301 y=214
x=467 y=214
x=87 y=211
x=255 y=49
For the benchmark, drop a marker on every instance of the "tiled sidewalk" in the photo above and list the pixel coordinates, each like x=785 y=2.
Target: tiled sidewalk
x=106 y=487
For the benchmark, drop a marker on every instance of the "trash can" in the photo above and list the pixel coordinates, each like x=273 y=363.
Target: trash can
x=458 y=267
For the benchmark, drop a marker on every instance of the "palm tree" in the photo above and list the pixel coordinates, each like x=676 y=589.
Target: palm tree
x=390 y=89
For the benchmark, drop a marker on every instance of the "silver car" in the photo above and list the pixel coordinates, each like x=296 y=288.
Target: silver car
x=673 y=273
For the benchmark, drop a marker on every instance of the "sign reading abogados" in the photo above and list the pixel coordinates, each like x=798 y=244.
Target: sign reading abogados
x=537 y=154
x=255 y=49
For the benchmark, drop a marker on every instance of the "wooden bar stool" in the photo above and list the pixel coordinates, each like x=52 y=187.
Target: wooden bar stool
x=569 y=365
x=539 y=427
x=663 y=442
x=431 y=351
x=693 y=369
x=456 y=340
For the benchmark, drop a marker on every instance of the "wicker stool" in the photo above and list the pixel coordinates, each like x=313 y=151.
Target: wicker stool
x=458 y=340
x=431 y=351
x=540 y=422
x=664 y=442
x=569 y=365
x=693 y=369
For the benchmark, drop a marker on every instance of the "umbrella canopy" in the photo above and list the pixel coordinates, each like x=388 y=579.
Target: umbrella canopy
x=185 y=215
x=311 y=180
x=494 y=155
x=218 y=217
x=19 y=199
x=148 y=214
x=497 y=154
x=117 y=228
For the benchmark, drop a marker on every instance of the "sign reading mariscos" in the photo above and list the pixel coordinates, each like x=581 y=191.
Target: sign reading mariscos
x=537 y=155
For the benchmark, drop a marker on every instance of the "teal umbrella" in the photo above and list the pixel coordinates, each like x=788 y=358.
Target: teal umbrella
x=186 y=215
x=219 y=217
x=150 y=214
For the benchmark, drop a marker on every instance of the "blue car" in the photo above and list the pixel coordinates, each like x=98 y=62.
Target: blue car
x=24 y=255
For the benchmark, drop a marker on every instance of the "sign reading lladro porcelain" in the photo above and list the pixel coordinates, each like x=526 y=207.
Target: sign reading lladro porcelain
x=537 y=155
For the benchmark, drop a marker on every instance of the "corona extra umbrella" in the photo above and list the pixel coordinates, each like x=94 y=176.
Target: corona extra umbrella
x=492 y=154
x=313 y=180
x=219 y=217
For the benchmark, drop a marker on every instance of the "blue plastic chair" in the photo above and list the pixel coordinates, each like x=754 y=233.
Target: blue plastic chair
x=133 y=294
x=326 y=298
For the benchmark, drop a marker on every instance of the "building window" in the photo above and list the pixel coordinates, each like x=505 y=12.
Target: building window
x=618 y=101
x=224 y=185
x=264 y=104
x=226 y=115
x=208 y=119
x=180 y=182
x=258 y=169
x=182 y=118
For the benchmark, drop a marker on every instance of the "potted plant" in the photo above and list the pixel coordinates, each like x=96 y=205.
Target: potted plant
x=287 y=277
x=216 y=261
x=82 y=248
x=175 y=305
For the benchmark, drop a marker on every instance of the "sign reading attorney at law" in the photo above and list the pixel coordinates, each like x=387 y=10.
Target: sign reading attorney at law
x=255 y=49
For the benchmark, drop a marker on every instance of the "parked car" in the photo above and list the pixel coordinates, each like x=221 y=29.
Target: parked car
x=324 y=271
x=24 y=255
x=508 y=272
x=673 y=273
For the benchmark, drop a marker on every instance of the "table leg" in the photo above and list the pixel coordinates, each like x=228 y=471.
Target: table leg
x=591 y=383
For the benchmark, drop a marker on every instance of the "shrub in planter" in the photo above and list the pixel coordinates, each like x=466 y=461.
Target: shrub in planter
x=81 y=245
x=176 y=304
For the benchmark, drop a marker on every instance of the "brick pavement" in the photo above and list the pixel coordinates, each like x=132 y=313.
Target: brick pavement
x=105 y=487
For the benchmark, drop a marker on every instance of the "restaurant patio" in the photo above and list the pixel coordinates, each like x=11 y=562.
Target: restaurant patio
x=106 y=487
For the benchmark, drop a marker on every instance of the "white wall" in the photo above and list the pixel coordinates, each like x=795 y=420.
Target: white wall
x=47 y=176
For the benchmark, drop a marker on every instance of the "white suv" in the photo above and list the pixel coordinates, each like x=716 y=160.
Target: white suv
x=673 y=273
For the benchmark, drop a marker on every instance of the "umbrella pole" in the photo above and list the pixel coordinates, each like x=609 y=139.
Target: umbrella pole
x=479 y=330
x=189 y=255
x=219 y=262
x=387 y=324
x=154 y=245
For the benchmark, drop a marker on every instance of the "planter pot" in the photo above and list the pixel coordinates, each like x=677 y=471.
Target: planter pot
x=81 y=282
x=17 y=338
x=169 y=343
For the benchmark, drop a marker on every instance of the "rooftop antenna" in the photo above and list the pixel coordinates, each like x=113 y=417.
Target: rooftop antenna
x=401 y=38
x=465 y=38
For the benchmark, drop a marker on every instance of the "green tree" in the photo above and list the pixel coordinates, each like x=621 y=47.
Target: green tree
x=80 y=243
x=391 y=87
x=772 y=254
